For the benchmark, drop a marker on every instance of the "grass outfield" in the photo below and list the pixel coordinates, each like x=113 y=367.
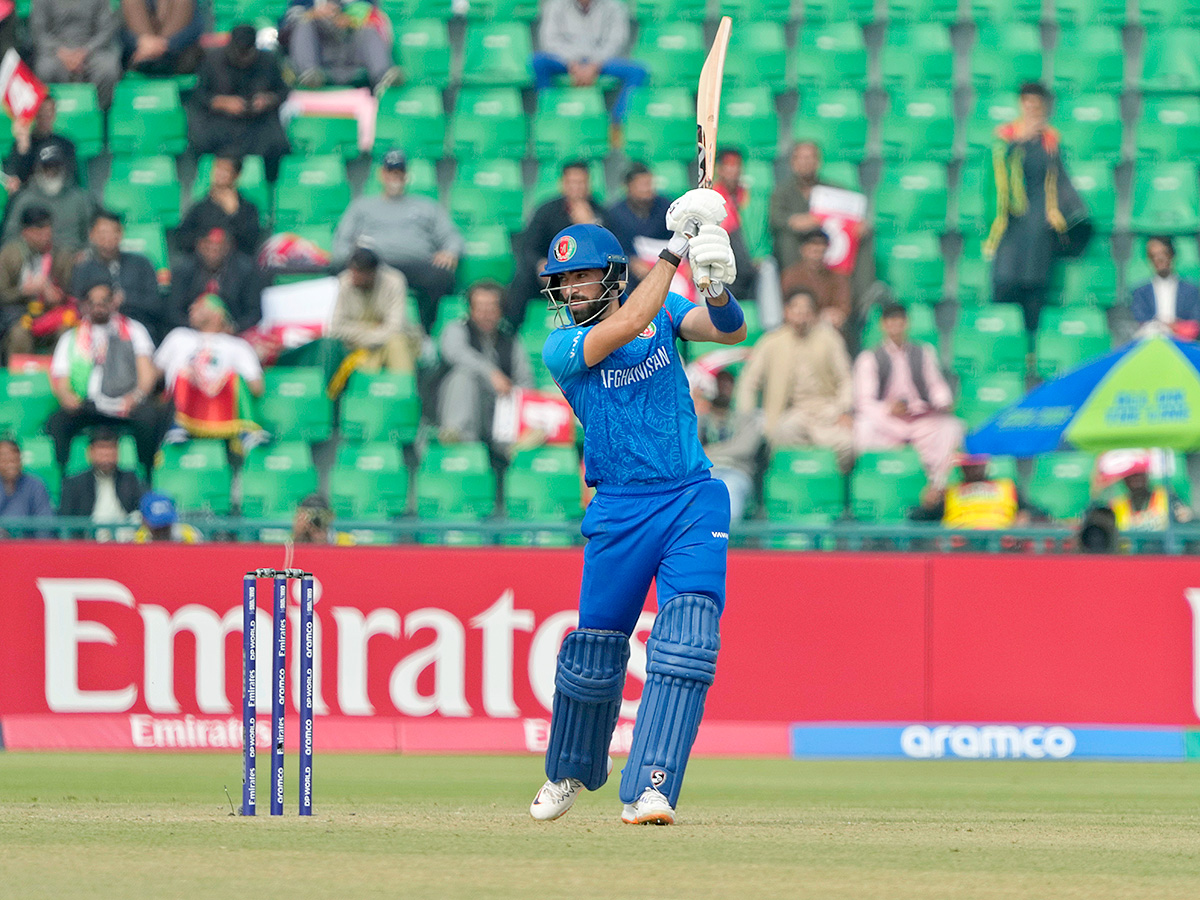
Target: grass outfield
x=141 y=826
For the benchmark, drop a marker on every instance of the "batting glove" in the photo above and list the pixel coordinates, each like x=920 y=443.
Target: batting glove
x=712 y=260
x=687 y=214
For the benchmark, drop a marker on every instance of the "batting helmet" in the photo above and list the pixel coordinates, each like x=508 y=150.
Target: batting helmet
x=584 y=247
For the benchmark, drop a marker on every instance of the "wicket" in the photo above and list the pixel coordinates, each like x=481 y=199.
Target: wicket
x=306 y=648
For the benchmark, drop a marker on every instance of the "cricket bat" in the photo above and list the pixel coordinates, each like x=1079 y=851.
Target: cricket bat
x=708 y=110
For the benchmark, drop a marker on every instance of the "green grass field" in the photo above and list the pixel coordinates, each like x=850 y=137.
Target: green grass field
x=141 y=826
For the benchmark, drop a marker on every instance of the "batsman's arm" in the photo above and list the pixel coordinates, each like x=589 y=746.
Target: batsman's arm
x=632 y=317
x=698 y=324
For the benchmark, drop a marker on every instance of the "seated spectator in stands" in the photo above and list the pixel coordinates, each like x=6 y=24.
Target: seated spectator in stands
x=408 y=232
x=76 y=40
x=34 y=277
x=575 y=205
x=224 y=206
x=901 y=397
x=802 y=371
x=103 y=374
x=789 y=218
x=160 y=522
x=210 y=376
x=830 y=289
x=728 y=183
x=313 y=523
x=332 y=41
x=217 y=268
x=978 y=502
x=1167 y=304
x=162 y=37
x=132 y=274
x=483 y=360
x=585 y=39
x=22 y=496
x=1139 y=505
x=29 y=139
x=104 y=493
x=732 y=441
x=640 y=217
x=371 y=315
x=235 y=106
x=71 y=207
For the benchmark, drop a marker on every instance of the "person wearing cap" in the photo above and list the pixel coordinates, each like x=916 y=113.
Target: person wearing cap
x=332 y=41
x=370 y=315
x=76 y=41
x=977 y=501
x=132 y=274
x=160 y=522
x=1138 y=504
x=34 y=277
x=71 y=207
x=830 y=289
x=411 y=233
x=235 y=106
x=162 y=37
x=639 y=221
x=28 y=140
x=217 y=267
x=105 y=492
x=313 y=523
x=224 y=206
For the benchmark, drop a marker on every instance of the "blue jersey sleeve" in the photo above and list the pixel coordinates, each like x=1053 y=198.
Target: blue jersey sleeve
x=563 y=353
x=677 y=306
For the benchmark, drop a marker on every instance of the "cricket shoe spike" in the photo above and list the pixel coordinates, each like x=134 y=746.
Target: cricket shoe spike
x=652 y=808
x=556 y=797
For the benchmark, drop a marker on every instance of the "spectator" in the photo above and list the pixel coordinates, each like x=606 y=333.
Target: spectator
x=1033 y=198
x=371 y=315
x=28 y=141
x=640 y=217
x=70 y=206
x=575 y=205
x=1138 y=505
x=331 y=41
x=162 y=37
x=22 y=496
x=217 y=268
x=978 y=502
x=34 y=277
x=102 y=374
x=1166 y=304
x=235 y=107
x=224 y=206
x=484 y=360
x=802 y=370
x=830 y=290
x=160 y=522
x=728 y=183
x=901 y=397
x=210 y=376
x=104 y=493
x=586 y=39
x=313 y=523
x=410 y=233
x=76 y=40
x=789 y=218
x=132 y=274
x=732 y=442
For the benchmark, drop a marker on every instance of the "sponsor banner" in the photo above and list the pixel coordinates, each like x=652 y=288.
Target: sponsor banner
x=987 y=741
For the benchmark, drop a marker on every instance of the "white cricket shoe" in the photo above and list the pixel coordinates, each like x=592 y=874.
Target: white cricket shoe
x=555 y=798
x=652 y=808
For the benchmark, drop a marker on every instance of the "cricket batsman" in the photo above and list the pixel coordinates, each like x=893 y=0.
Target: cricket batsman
x=657 y=514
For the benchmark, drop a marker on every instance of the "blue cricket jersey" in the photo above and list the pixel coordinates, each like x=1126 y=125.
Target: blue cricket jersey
x=639 y=423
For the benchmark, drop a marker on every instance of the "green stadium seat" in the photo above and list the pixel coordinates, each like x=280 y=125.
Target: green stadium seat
x=442 y=10
x=1093 y=180
x=1156 y=13
x=488 y=191
x=151 y=242
x=77 y=460
x=37 y=458
x=570 y=122
x=837 y=10
x=549 y=175
x=451 y=309
x=1006 y=55
x=78 y=114
x=886 y=485
x=1171 y=61
x=455 y=483
x=26 y=401
x=252 y=183
x=144 y=189
x=990 y=338
x=922 y=325
x=991 y=111
x=1084 y=12
x=487 y=253
x=974 y=206
x=147 y=118
x=921 y=10
x=411 y=117
x=504 y=10
x=275 y=478
x=1091 y=125
x=762 y=10
x=489 y=122
x=758 y=177
x=673 y=53
x=832 y=54
x=369 y=481
x=661 y=124
x=982 y=396
x=310 y=190
x=835 y=119
x=423 y=50
x=1086 y=282
x=196 y=475
x=802 y=483
x=1068 y=337
x=912 y=265
x=1166 y=198
x=294 y=405
x=422 y=179
x=919 y=125
x=914 y=196
x=1091 y=58
x=1061 y=483
x=917 y=54
x=669 y=10
x=671 y=177
x=544 y=485
x=497 y=54
x=757 y=54
x=1000 y=11
x=381 y=407
x=1169 y=128
x=973 y=279
x=317 y=135
x=842 y=174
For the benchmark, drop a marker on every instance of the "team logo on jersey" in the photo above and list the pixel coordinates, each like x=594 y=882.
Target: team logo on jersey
x=649 y=332
x=565 y=249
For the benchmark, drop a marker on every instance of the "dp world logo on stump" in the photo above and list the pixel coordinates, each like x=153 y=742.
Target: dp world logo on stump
x=565 y=249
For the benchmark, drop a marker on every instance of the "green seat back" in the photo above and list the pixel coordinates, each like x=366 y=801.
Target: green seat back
x=749 y=121
x=26 y=401
x=1166 y=198
x=275 y=478
x=37 y=458
x=982 y=396
x=661 y=124
x=313 y=135
x=990 y=338
x=147 y=118
x=570 y=121
x=196 y=475
x=412 y=117
x=913 y=266
x=487 y=253
x=1069 y=337
x=455 y=482
x=543 y=484
x=497 y=54
x=1061 y=483
x=423 y=50
x=886 y=485
x=913 y=196
x=489 y=122
x=78 y=114
x=369 y=481
x=919 y=125
x=836 y=119
x=917 y=54
x=1169 y=128
x=310 y=190
x=1089 y=58
x=384 y=406
x=144 y=189
x=1006 y=54
x=831 y=53
x=294 y=405
x=803 y=481
x=673 y=53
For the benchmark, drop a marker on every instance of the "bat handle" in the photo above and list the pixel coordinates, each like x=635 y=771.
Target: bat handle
x=703 y=283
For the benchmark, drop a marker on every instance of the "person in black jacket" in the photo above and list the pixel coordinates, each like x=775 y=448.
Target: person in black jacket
x=216 y=268
x=104 y=492
x=132 y=274
x=224 y=206
x=29 y=139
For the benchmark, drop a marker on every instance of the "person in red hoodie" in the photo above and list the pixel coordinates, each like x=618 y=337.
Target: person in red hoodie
x=728 y=183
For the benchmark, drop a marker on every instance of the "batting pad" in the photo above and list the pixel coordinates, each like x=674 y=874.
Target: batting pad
x=681 y=663
x=587 y=699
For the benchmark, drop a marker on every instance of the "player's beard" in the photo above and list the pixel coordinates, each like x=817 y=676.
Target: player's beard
x=587 y=312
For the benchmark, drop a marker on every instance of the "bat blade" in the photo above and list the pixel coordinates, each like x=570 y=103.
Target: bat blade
x=708 y=113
